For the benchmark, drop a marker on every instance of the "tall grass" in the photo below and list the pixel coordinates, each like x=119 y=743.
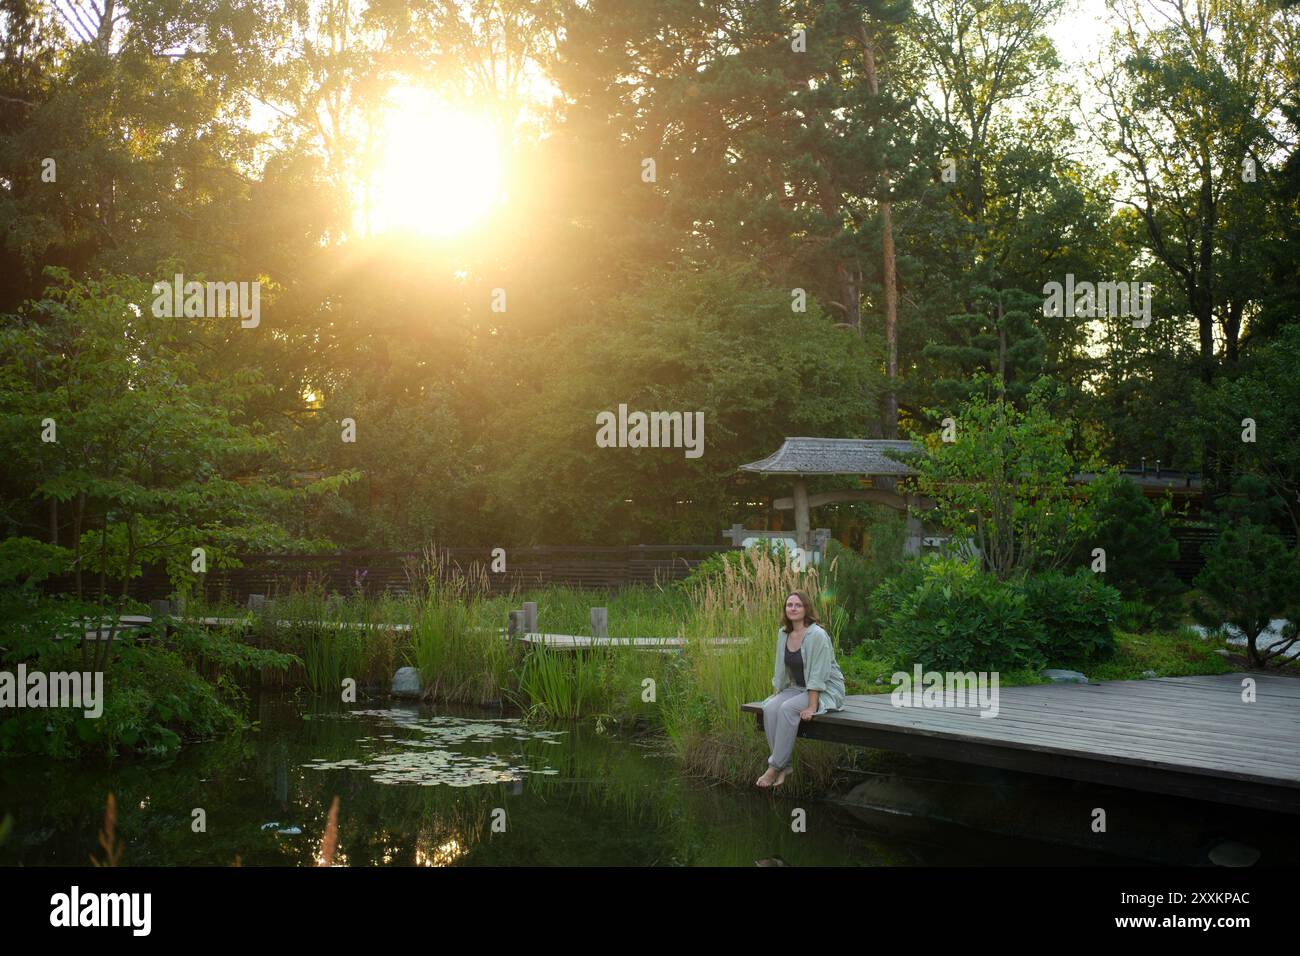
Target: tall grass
x=702 y=716
x=337 y=636
x=563 y=684
x=456 y=644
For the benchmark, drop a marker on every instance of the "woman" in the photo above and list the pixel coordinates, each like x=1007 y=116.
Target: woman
x=807 y=681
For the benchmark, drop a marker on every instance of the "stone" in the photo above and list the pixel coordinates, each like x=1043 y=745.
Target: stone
x=1149 y=674
x=1223 y=652
x=406 y=683
x=1232 y=853
x=1064 y=677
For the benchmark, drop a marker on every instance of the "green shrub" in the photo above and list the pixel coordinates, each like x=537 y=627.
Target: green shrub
x=959 y=618
x=1074 y=613
x=152 y=701
x=1250 y=577
x=851 y=578
x=1139 y=550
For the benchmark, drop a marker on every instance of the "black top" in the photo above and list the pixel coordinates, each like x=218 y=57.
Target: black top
x=794 y=661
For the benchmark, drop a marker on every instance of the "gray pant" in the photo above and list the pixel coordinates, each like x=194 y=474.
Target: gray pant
x=781 y=723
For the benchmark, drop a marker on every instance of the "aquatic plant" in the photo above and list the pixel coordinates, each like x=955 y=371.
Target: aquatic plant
x=460 y=652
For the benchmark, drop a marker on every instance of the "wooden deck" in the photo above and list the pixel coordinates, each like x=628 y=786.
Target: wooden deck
x=1187 y=736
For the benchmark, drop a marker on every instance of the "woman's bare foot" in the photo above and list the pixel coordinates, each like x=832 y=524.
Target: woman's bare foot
x=769 y=777
x=781 y=777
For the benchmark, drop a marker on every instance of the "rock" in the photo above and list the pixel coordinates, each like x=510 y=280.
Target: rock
x=1232 y=853
x=771 y=861
x=270 y=826
x=1064 y=677
x=289 y=831
x=880 y=680
x=1223 y=652
x=406 y=683
x=1149 y=674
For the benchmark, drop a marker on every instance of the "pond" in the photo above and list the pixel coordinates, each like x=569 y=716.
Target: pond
x=452 y=786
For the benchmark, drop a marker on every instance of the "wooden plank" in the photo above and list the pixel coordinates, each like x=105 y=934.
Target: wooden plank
x=1155 y=720
x=1182 y=736
x=1054 y=745
x=1130 y=745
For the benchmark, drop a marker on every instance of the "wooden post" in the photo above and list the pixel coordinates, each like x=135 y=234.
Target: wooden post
x=160 y=610
x=801 y=518
x=600 y=622
x=515 y=625
x=256 y=602
x=530 y=617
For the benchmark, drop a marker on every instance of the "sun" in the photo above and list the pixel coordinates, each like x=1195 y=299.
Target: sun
x=439 y=169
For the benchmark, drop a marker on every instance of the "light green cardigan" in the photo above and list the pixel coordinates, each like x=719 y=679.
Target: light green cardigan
x=820 y=671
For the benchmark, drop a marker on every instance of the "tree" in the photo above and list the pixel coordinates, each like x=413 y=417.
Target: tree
x=1138 y=546
x=100 y=407
x=1250 y=577
x=1192 y=98
x=1004 y=484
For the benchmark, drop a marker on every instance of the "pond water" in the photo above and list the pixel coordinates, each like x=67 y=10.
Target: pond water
x=425 y=786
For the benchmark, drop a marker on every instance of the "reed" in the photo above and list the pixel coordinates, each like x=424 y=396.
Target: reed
x=457 y=647
x=701 y=714
x=563 y=685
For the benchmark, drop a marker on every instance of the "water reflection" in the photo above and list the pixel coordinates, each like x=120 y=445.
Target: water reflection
x=423 y=787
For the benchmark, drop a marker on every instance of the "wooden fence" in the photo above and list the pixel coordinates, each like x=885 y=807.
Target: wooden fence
x=378 y=572
x=393 y=572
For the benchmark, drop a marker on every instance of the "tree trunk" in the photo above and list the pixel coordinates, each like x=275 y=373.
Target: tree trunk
x=888 y=274
x=1203 y=302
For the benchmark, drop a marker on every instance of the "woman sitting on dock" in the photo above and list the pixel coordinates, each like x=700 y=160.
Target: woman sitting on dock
x=807 y=681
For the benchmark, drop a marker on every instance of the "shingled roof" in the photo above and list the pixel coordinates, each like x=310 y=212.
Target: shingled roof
x=835 y=456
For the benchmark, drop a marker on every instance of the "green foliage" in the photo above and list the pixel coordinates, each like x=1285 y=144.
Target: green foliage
x=852 y=577
x=716 y=339
x=1075 y=613
x=1004 y=485
x=564 y=685
x=153 y=699
x=1250 y=577
x=1139 y=549
x=947 y=614
x=456 y=643
x=960 y=618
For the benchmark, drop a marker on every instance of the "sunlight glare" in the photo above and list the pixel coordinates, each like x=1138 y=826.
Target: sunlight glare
x=439 y=171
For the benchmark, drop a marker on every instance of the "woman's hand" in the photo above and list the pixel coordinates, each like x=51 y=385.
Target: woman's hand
x=807 y=713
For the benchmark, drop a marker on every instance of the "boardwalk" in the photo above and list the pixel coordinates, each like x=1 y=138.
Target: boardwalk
x=1189 y=736
x=561 y=642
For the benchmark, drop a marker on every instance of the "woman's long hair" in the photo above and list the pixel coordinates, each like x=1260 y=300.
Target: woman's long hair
x=809 y=613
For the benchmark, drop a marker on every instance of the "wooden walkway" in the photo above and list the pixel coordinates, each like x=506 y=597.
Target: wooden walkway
x=1186 y=736
x=562 y=642
x=574 y=642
